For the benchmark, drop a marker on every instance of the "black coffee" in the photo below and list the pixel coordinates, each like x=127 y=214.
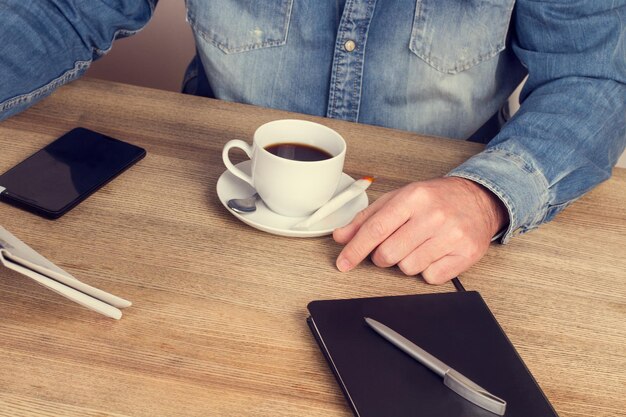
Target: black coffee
x=298 y=152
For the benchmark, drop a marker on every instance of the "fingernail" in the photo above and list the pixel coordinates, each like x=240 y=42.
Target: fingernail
x=343 y=264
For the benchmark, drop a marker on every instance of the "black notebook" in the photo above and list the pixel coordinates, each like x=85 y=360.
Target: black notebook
x=380 y=380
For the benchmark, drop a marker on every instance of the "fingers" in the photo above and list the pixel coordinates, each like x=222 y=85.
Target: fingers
x=441 y=269
x=372 y=232
x=419 y=259
x=446 y=268
x=438 y=228
x=344 y=234
x=442 y=258
x=400 y=244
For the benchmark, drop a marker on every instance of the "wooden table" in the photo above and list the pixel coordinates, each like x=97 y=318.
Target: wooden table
x=218 y=322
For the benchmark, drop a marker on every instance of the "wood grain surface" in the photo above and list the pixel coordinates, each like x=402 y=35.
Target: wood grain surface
x=218 y=321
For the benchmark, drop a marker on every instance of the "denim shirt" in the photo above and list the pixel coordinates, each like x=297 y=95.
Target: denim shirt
x=436 y=67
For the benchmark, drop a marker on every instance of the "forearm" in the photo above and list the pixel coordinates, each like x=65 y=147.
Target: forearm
x=571 y=127
x=47 y=43
x=563 y=141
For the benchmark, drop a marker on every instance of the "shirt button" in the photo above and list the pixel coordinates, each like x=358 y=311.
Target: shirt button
x=349 y=45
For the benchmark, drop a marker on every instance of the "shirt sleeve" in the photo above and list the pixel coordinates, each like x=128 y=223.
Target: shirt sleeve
x=571 y=126
x=46 y=43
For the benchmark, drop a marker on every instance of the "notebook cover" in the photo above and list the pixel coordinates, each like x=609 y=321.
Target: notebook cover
x=378 y=379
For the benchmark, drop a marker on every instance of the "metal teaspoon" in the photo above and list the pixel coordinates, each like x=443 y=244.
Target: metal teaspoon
x=243 y=205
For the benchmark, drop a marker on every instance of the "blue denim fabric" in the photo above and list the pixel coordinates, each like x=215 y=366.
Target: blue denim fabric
x=571 y=127
x=438 y=67
x=47 y=43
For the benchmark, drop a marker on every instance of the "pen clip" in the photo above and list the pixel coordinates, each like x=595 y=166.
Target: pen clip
x=473 y=392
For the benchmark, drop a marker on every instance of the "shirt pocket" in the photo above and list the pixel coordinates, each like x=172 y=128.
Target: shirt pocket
x=455 y=35
x=240 y=25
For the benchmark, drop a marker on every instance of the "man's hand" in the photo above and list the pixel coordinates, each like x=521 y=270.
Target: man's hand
x=439 y=227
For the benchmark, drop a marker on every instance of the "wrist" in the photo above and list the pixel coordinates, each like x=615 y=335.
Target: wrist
x=496 y=213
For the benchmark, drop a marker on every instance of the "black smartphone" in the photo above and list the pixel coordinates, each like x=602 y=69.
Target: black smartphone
x=56 y=178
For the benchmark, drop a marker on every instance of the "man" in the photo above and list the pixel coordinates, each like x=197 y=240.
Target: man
x=440 y=67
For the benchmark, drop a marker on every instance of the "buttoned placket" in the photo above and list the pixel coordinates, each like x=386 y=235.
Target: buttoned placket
x=348 y=60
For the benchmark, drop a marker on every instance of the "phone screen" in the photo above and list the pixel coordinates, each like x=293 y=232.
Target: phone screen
x=65 y=172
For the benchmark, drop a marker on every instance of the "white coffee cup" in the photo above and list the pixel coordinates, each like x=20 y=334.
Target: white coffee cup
x=290 y=187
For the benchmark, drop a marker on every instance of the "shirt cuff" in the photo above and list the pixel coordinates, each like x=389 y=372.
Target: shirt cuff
x=516 y=182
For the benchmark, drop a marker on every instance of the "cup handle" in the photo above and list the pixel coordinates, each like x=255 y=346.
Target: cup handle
x=236 y=143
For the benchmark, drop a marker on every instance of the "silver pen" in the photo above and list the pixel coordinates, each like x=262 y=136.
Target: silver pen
x=451 y=378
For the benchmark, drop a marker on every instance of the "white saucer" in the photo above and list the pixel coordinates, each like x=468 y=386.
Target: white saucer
x=229 y=186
